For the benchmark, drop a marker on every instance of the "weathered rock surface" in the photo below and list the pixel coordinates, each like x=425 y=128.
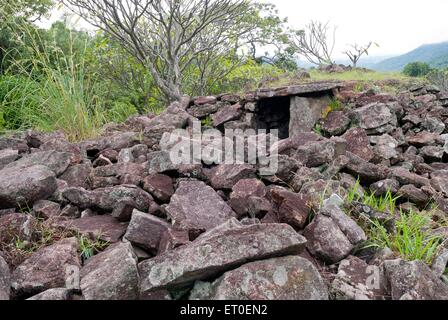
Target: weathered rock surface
x=333 y=235
x=216 y=253
x=111 y=275
x=17 y=226
x=20 y=188
x=414 y=281
x=46 y=269
x=146 y=231
x=356 y=280
x=5 y=280
x=59 y=294
x=196 y=207
x=287 y=278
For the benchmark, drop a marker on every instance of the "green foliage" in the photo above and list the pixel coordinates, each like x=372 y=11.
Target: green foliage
x=318 y=129
x=89 y=247
x=207 y=122
x=417 y=69
x=413 y=239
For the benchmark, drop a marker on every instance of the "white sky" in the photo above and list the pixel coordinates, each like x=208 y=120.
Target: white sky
x=398 y=26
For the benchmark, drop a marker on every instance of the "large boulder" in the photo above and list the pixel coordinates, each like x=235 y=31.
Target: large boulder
x=414 y=281
x=47 y=268
x=20 y=188
x=196 y=207
x=220 y=250
x=287 y=278
x=5 y=280
x=111 y=275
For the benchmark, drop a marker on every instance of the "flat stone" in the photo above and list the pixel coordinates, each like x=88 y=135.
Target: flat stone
x=336 y=123
x=216 y=253
x=227 y=114
x=45 y=209
x=104 y=227
x=287 y=278
x=57 y=162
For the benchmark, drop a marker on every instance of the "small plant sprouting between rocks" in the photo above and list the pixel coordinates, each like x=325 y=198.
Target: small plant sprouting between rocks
x=207 y=122
x=413 y=238
x=89 y=247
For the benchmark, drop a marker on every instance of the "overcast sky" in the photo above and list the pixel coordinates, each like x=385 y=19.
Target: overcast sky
x=398 y=26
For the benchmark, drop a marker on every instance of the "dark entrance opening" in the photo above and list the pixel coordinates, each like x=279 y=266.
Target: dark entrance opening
x=274 y=113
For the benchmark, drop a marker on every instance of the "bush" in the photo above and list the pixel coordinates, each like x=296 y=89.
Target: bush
x=417 y=69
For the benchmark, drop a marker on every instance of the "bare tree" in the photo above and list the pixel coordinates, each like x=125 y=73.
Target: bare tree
x=168 y=36
x=356 y=51
x=316 y=42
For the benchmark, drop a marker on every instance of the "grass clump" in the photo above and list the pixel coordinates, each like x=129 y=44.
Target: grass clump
x=413 y=237
x=90 y=247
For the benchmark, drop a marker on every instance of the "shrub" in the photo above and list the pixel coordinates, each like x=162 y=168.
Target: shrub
x=417 y=69
x=439 y=78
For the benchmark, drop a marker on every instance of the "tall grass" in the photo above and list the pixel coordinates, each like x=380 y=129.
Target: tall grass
x=414 y=238
x=57 y=92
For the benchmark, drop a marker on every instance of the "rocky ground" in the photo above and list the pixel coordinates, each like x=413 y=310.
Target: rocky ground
x=119 y=216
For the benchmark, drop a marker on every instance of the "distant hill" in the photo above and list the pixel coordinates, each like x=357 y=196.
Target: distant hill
x=434 y=54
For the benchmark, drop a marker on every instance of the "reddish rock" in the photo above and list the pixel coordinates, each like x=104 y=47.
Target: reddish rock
x=353 y=280
x=78 y=175
x=205 y=100
x=46 y=209
x=226 y=176
x=195 y=207
x=47 y=268
x=5 y=280
x=172 y=239
x=368 y=172
x=336 y=123
x=17 y=226
x=248 y=197
x=219 y=252
x=422 y=139
x=287 y=278
x=103 y=227
x=159 y=186
x=22 y=187
x=146 y=231
x=358 y=143
x=227 y=114
x=111 y=275
x=405 y=177
x=292 y=208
